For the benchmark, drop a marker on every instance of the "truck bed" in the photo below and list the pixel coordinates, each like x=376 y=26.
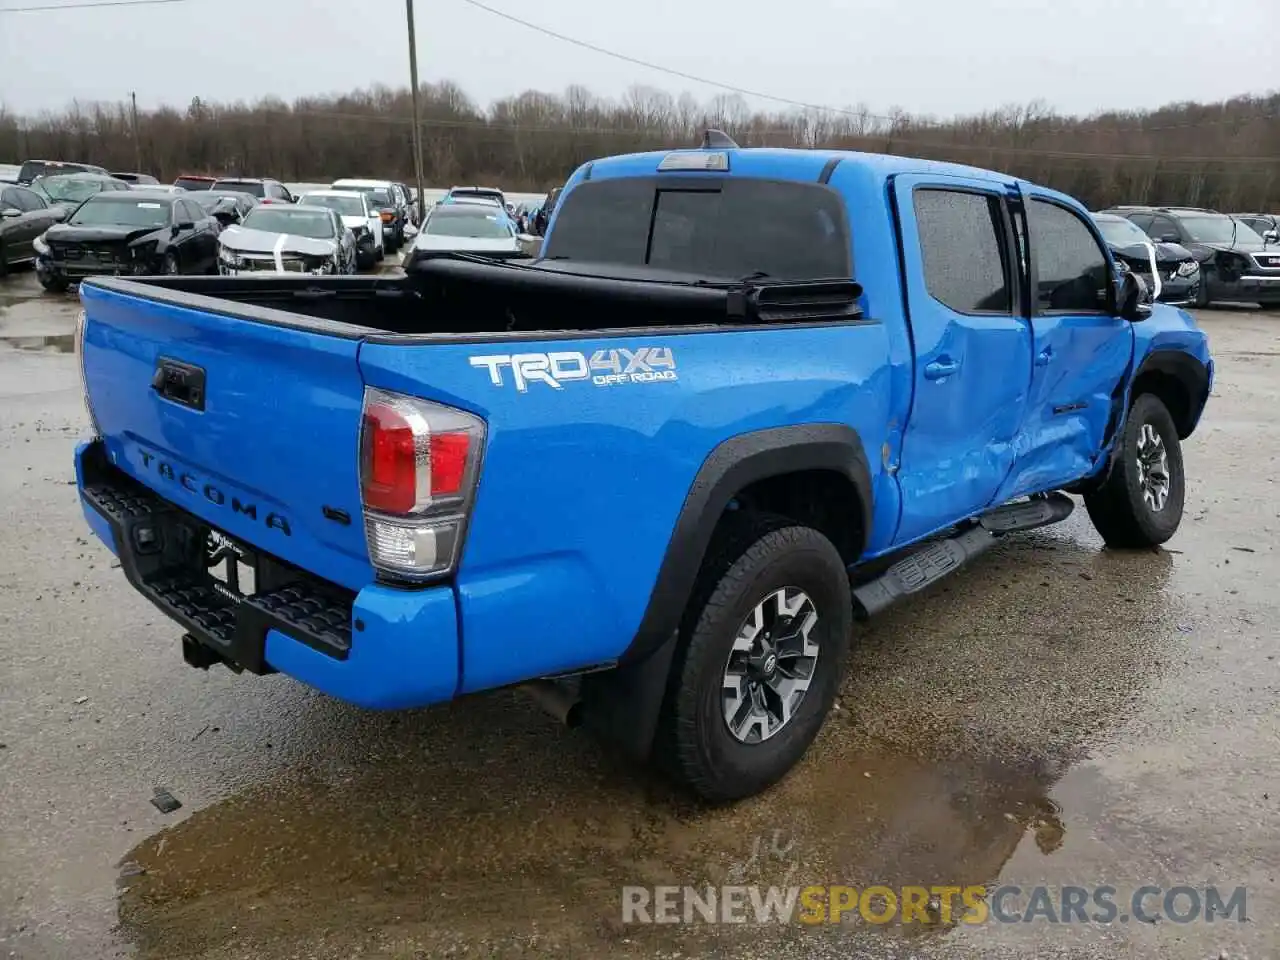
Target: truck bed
x=450 y=298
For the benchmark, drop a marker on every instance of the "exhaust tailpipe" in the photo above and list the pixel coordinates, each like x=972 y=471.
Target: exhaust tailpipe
x=560 y=703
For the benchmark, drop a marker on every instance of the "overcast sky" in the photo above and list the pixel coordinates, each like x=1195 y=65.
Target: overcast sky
x=925 y=56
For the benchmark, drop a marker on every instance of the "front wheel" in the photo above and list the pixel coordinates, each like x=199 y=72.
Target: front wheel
x=54 y=284
x=171 y=264
x=762 y=650
x=1140 y=503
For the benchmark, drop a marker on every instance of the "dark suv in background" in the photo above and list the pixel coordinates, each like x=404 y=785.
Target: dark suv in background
x=1265 y=225
x=1179 y=270
x=1235 y=263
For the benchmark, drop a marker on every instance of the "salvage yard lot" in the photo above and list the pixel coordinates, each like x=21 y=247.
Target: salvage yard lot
x=1058 y=714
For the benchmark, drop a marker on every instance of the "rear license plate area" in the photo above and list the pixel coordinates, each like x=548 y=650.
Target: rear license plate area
x=231 y=566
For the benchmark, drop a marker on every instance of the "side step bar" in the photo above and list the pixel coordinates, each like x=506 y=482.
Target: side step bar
x=937 y=559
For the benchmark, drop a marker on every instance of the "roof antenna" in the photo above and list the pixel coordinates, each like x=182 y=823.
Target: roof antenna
x=718 y=140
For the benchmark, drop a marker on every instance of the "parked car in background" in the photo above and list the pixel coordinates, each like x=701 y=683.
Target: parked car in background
x=1177 y=269
x=358 y=216
x=1234 y=266
x=226 y=206
x=266 y=190
x=288 y=239
x=390 y=202
x=9 y=172
x=71 y=189
x=482 y=229
x=127 y=232
x=136 y=178
x=543 y=216
x=490 y=192
x=158 y=187
x=32 y=169
x=195 y=181
x=1266 y=225
x=24 y=215
x=413 y=202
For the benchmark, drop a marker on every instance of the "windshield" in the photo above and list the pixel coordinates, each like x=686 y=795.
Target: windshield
x=378 y=196
x=242 y=186
x=1218 y=229
x=345 y=206
x=784 y=231
x=474 y=224
x=119 y=211
x=1121 y=232
x=68 y=188
x=193 y=183
x=303 y=223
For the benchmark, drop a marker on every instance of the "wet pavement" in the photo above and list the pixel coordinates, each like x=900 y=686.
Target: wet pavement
x=1059 y=714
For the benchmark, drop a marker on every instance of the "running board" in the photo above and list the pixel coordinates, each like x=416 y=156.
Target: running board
x=1028 y=514
x=922 y=568
x=941 y=557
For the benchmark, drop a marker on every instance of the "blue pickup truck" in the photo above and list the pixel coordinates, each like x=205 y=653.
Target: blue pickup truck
x=743 y=398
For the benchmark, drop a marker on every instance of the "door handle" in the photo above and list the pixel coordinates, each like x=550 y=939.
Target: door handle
x=1044 y=356
x=942 y=367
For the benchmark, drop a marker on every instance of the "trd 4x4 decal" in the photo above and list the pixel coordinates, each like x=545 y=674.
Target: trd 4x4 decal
x=605 y=368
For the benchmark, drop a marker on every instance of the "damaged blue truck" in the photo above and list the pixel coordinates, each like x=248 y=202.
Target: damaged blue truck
x=742 y=398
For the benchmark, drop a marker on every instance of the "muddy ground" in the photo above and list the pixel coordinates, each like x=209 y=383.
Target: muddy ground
x=1059 y=714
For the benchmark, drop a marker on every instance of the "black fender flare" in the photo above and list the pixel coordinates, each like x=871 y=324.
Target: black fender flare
x=1189 y=372
x=625 y=702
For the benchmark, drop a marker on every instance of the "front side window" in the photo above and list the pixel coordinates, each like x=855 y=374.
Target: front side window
x=1072 y=271
x=965 y=266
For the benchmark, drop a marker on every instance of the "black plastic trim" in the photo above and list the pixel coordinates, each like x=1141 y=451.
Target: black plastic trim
x=167 y=567
x=828 y=169
x=733 y=465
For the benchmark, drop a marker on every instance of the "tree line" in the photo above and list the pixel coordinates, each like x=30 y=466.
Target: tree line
x=1222 y=155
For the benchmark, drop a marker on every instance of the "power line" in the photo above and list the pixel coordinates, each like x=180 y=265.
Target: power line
x=86 y=5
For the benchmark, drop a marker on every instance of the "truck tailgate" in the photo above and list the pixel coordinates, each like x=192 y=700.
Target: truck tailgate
x=254 y=428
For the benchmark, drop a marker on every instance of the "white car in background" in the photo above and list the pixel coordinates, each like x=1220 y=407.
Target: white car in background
x=358 y=215
x=391 y=203
x=483 y=229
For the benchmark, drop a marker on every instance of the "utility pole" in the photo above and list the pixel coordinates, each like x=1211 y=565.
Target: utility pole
x=137 y=144
x=413 y=80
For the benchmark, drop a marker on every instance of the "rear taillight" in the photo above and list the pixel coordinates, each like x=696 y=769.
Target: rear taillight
x=387 y=217
x=81 y=322
x=419 y=463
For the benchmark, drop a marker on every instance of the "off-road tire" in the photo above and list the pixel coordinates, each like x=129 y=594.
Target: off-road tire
x=749 y=559
x=1117 y=508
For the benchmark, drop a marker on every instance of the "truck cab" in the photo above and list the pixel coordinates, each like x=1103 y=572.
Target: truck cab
x=637 y=475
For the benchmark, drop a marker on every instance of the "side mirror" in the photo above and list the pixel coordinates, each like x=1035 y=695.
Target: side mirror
x=527 y=238
x=1131 y=299
x=59 y=213
x=1271 y=236
x=186 y=225
x=9 y=213
x=1169 y=238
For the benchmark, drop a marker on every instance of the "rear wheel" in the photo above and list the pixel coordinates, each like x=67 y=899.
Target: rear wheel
x=1140 y=503
x=54 y=284
x=762 y=650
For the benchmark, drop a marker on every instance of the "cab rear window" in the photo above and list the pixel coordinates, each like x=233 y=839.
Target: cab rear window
x=724 y=228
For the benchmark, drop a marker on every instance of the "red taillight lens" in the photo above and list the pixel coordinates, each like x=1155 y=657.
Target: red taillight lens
x=387 y=217
x=389 y=475
x=448 y=463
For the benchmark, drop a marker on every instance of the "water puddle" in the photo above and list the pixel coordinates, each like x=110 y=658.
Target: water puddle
x=481 y=825
x=49 y=343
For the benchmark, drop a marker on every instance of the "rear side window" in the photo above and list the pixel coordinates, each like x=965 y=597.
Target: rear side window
x=1072 y=271
x=728 y=229
x=965 y=266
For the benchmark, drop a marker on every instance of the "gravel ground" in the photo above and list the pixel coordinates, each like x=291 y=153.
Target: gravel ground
x=1059 y=714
